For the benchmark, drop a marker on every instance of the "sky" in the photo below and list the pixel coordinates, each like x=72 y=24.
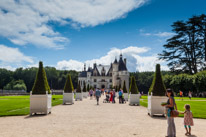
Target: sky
x=68 y=33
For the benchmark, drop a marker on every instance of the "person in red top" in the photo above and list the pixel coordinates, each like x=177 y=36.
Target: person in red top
x=111 y=96
x=181 y=94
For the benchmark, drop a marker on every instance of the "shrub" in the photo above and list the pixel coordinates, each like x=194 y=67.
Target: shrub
x=133 y=87
x=15 y=85
x=157 y=88
x=124 y=87
x=79 y=88
x=84 y=88
x=68 y=88
x=116 y=89
x=88 y=87
x=41 y=84
x=200 y=81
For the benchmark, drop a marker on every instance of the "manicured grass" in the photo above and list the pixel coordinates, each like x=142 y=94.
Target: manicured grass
x=197 y=105
x=19 y=105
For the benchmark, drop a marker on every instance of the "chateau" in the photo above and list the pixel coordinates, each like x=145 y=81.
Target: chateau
x=106 y=76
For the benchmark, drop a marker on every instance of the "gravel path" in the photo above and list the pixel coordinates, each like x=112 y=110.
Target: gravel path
x=86 y=119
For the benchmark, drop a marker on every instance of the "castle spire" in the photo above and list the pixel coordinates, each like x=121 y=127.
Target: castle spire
x=84 y=66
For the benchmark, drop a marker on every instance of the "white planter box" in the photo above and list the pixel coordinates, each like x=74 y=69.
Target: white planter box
x=134 y=99
x=85 y=94
x=40 y=103
x=79 y=96
x=126 y=96
x=68 y=98
x=154 y=105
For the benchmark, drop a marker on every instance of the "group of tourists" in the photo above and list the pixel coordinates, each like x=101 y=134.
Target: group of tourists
x=171 y=106
x=111 y=94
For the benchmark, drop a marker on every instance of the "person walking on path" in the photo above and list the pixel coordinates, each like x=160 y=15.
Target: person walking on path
x=171 y=130
x=190 y=95
x=188 y=119
x=113 y=99
x=98 y=94
x=111 y=96
x=91 y=93
x=120 y=95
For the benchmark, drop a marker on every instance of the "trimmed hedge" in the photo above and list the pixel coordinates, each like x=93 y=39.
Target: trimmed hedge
x=88 y=87
x=133 y=87
x=78 y=88
x=124 y=87
x=68 y=88
x=41 y=84
x=84 y=88
x=157 y=88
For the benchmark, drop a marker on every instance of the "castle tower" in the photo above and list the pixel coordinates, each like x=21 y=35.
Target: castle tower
x=115 y=73
x=123 y=73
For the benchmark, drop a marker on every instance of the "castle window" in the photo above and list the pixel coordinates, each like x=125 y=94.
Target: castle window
x=103 y=80
x=110 y=80
x=95 y=86
x=95 y=80
x=110 y=74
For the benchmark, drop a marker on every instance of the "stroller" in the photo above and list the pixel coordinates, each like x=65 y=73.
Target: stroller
x=107 y=99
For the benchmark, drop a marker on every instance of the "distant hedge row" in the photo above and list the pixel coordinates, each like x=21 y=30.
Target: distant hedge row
x=186 y=82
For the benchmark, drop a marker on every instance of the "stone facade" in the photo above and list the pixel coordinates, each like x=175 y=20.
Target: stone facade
x=106 y=76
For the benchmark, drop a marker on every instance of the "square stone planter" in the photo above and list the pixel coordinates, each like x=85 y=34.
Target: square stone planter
x=126 y=96
x=40 y=103
x=154 y=105
x=79 y=96
x=85 y=94
x=134 y=99
x=68 y=98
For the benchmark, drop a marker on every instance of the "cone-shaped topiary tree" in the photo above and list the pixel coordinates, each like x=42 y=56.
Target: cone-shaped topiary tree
x=124 y=87
x=116 y=89
x=84 y=88
x=68 y=88
x=157 y=88
x=119 y=87
x=78 y=88
x=133 y=87
x=41 y=84
x=88 y=87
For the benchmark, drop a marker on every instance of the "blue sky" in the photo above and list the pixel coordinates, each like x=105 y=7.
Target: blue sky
x=89 y=31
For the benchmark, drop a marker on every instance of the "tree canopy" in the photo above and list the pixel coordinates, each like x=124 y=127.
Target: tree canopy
x=186 y=50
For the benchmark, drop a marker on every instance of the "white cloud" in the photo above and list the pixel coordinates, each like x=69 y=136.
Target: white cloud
x=13 y=55
x=25 y=22
x=70 y=65
x=157 y=34
x=164 y=34
x=8 y=67
x=135 y=60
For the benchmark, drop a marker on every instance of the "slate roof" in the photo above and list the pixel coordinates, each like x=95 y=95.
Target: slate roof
x=83 y=74
x=122 y=66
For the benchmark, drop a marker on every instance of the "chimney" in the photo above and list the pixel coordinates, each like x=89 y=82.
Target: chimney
x=125 y=61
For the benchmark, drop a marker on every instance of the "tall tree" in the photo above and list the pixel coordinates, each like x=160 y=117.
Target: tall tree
x=183 y=51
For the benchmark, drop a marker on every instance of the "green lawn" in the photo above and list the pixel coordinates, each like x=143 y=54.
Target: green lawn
x=198 y=105
x=19 y=105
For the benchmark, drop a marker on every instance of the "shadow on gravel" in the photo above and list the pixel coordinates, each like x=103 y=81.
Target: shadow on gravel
x=35 y=116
